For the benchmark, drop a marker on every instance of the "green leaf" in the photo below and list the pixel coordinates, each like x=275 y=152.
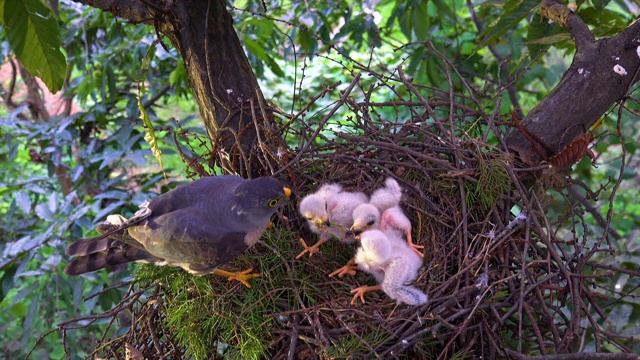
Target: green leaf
x=27 y=325
x=43 y=212
x=541 y=34
x=18 y=310
x=179 y=72
x=7 y=280
x=32 y=31
x=24 y=202
x=514 y=12
x=149 y=134
x=420 y=26
x=600 y=4
x=259 y=52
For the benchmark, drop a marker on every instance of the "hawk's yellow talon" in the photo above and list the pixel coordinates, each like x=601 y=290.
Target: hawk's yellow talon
x=241 y=276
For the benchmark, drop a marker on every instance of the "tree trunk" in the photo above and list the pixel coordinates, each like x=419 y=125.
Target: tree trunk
x=224 y=85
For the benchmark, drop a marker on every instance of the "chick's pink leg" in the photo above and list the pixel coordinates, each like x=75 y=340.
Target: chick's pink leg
x=360 y=291
x=314 y=248
x=414 y=247
x=349 y=269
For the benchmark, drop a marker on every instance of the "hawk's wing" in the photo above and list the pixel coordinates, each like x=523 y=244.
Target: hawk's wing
x=188 y=236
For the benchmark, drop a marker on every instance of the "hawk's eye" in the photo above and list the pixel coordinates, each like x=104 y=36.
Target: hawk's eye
x=273 y=202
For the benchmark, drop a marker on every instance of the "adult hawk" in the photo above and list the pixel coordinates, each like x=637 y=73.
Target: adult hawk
x=198 y=226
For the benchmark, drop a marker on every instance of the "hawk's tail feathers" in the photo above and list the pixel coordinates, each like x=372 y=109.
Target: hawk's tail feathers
x=88 y=246
x=111 y=257
x=114 y=229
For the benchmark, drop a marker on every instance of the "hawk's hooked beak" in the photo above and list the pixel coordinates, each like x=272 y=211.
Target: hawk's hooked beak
x=287 y=192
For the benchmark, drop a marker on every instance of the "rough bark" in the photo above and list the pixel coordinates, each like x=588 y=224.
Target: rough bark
x=587 y=89
x=219 y=72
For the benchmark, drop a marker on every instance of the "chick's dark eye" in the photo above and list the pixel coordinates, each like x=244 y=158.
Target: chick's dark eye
x=370 y=223
x=273 y=202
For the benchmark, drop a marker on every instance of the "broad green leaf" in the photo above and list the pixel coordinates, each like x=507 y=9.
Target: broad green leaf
x=18 y=310
x=7 y=280
x=259 y=52
x=29 y=319
x=540 y=34
x=514 y=12
x=149 y=133
x=600 y=4
x=53 y=202
x=444 y=9
x=32 y=31
x=420 y=25
x=549 y=39
x=179 y=72
x=24 y=202
x=43 y=212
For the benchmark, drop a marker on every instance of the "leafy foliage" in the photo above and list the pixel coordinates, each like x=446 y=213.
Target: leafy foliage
x=64 y=174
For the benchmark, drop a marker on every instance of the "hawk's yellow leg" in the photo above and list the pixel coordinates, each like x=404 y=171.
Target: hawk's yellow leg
x=241 y=276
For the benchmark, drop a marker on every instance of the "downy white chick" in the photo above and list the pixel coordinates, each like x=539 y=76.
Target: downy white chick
x=393 y=264
x=388 y=196
x=365 y=217
x=387 y=200
x=329 y=213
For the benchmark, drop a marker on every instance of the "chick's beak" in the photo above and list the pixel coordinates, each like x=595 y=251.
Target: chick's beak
x=353 y=232
x=287 y=192
x=320 y=222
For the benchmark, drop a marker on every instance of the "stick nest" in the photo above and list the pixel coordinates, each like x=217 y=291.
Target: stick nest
x=511 y=266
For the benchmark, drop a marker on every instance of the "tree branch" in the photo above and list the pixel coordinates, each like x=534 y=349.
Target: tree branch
x=601 y=74
x=134 y=10
x=556 y=12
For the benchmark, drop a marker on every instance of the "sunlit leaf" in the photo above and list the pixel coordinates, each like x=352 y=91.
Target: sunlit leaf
x=32 y=31
x=149 y=133
x=53 y=202
x=260 y=53
x=77 y=171
x=18 y=310
x=43 y=212
x=24 y=202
